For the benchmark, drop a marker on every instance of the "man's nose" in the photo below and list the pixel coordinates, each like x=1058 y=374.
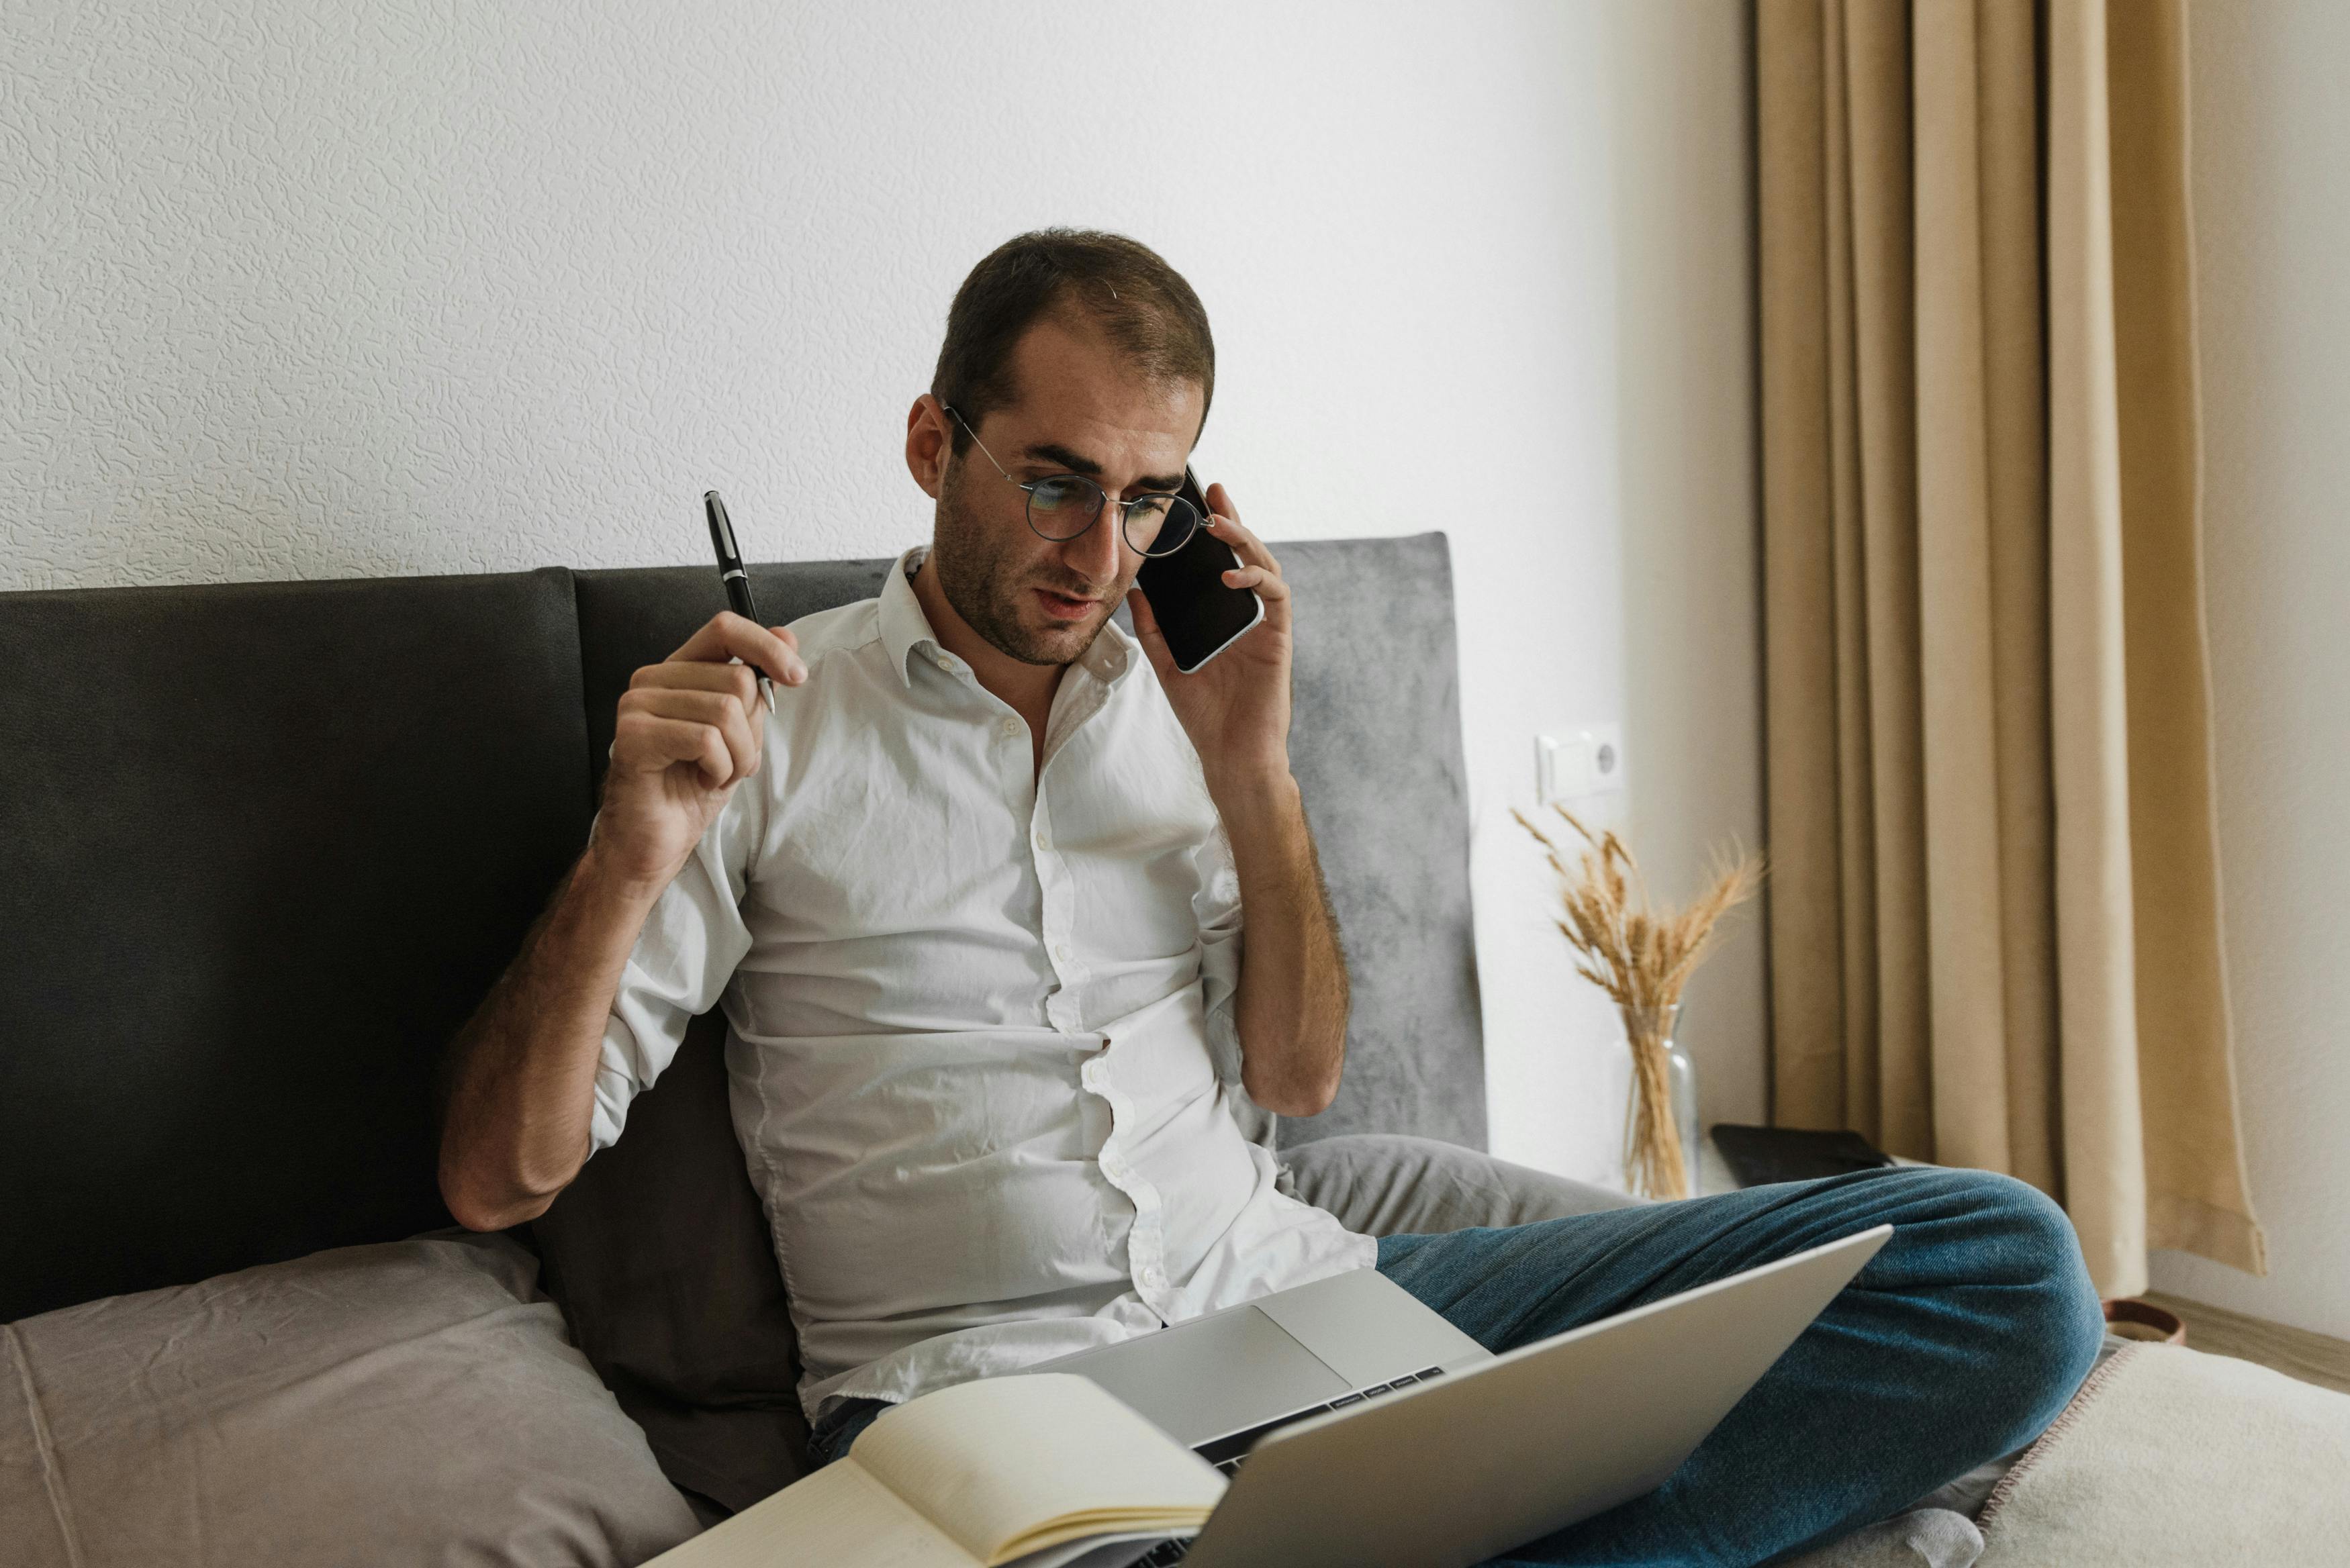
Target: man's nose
x=1096 y=555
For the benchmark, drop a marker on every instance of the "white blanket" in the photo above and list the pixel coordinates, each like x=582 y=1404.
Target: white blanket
x=2169 y=1458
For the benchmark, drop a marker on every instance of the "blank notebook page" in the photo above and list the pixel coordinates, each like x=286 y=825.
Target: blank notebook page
x=991 y=1460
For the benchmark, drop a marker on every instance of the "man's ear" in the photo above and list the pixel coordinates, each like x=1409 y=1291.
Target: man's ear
x=930 y=444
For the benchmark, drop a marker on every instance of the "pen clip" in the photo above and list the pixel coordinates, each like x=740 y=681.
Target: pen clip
x=722 y=533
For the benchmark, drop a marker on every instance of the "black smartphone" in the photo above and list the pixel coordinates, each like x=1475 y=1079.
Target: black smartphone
x=1200 y=614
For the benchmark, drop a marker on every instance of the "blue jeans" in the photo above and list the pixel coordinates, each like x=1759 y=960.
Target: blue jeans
x=1958 y=1342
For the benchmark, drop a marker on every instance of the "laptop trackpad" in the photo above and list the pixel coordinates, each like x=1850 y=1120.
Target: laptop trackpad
x=1212 y=1376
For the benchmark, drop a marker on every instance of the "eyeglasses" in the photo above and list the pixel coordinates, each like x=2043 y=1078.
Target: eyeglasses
x=1063 y=505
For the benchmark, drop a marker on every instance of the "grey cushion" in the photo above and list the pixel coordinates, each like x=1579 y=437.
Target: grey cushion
x=1391 y=1185
x=263 y=847
x=411 y=1402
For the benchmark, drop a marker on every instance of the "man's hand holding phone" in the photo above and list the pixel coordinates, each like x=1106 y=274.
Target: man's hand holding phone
x=1235 y=707
x=691 y=729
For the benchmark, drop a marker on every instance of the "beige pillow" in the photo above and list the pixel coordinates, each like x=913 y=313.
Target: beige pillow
x=2171 y=1458
x=415 y=1402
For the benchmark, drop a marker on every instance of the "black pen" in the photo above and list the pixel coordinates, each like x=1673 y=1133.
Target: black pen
x=731 y=573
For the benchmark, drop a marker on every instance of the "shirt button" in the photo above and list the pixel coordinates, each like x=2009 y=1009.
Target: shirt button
x=1061 y=950
x=944 y=662
x=1011 y=726
x=1042 y=842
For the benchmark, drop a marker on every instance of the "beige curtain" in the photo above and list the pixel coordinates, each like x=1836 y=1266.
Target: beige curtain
x=1994 y=909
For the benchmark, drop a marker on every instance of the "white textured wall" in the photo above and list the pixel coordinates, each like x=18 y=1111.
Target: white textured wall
x=2271 y=140
x=1685 y=390
x=327 y=289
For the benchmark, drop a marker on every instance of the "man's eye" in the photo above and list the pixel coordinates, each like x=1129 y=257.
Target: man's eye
x=1052 y=495
x=1152 y=508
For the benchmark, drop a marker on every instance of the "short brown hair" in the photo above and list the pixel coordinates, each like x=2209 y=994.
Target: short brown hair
x=1121 y=287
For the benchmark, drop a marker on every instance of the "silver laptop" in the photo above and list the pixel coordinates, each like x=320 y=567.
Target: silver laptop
x=1375 y=1433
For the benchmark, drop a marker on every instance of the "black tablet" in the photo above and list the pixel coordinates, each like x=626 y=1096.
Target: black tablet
x=1758 y=1156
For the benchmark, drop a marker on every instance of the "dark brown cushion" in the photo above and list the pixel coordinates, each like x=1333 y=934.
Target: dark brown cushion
x=659 y=1254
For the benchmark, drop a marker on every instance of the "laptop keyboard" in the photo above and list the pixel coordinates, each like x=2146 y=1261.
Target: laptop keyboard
x=1227 y=1453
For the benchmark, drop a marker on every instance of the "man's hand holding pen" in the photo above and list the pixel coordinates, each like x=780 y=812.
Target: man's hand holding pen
x=691 y=729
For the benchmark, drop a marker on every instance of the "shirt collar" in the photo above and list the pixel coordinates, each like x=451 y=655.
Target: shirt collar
x=906 y=629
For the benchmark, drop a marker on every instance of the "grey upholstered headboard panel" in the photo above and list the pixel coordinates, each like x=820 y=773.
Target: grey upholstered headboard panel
x=263 y=847
x=1375 y=740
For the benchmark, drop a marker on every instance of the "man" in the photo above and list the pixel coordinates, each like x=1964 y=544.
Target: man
x=972 y=895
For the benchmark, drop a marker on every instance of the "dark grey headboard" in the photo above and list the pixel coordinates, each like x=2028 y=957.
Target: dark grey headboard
x=263 y=848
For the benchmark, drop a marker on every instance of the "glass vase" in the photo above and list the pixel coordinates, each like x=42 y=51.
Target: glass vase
x=1661 y=1070
x=1681 y=1072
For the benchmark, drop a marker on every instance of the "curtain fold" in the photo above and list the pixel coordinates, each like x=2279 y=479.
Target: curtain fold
x=2193 y=1136
x=1994 y=909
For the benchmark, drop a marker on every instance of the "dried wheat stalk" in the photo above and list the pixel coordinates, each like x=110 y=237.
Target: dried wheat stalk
x=1641 y=956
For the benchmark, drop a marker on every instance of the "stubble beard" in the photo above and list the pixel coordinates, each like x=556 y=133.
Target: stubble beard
x=982 y=578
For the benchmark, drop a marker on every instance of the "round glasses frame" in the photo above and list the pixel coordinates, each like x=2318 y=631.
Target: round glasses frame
x=1059 y=493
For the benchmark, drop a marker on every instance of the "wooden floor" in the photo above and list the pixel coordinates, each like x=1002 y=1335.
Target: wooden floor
x=2312 y=1357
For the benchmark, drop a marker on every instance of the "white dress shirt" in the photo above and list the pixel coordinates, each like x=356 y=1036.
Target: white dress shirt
x=981 y=1049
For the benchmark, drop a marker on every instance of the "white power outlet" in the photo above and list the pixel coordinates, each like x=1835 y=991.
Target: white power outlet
x=1574 y=767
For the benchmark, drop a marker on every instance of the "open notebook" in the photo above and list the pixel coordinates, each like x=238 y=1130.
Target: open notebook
x=1043 y=1470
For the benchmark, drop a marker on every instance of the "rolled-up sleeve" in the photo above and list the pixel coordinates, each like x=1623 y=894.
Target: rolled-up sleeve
x=688 y=951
